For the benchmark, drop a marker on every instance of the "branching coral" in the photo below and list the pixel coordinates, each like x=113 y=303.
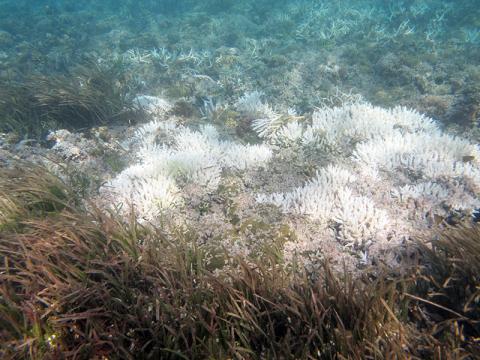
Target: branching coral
x=328 y=200
x=264 y=118
x=171 y=156
x=430 y=155
x=316 y=198
x=381 y=175
x=358 y=220
x=149 y=196
x=395 y=156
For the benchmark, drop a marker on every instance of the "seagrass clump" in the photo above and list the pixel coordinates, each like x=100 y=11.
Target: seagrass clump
x=87 y=96
x=79 y=283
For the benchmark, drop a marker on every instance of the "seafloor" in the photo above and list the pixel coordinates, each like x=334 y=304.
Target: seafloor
x=423 y=54
x=92 y=68
x=296 y=137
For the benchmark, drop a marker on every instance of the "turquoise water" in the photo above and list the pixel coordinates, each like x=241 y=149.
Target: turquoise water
x=424 y=54
x=281 y=142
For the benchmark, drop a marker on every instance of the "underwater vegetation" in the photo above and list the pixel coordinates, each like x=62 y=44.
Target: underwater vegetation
x=90 y=96
x=224 y=179
x=84 y=284
x=353 y=182
x=422 y=54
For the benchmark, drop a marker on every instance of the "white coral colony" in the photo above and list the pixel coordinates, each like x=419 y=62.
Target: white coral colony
x=182 y=156
x=386 y=170
x=387 y=158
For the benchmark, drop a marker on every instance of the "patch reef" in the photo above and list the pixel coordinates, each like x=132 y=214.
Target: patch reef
x=386 y=174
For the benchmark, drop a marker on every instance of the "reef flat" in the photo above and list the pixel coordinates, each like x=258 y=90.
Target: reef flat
x=251 y=180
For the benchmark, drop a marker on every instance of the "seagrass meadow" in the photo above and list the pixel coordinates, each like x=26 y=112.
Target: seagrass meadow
x=80 y=283
x=294 y=179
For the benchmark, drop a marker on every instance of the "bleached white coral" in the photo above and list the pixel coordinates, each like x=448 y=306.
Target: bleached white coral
x=395 y=154
x=428 y=189
x=198 y=168
x=316 y=198
x=357 y=219
x=179 y=156
x=251 y=104
x=437 y=195
x=278 y=127
x=149 y=196
x=291 y=132
x=243 y=157
x=428 y=155
x=210 y=132
x=197 y=142
x=388 y=167
x=264 y=119
x=343 y=127
x=390 y=143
